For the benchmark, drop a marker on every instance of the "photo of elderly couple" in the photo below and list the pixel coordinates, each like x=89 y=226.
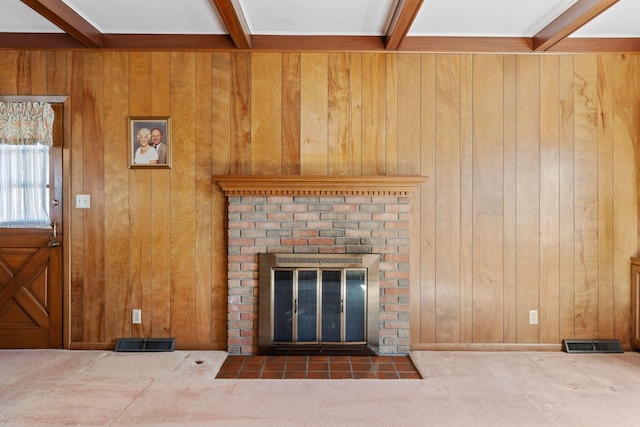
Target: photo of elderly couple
x=150 y=142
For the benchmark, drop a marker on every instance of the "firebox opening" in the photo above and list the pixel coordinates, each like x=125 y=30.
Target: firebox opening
x=319 y=304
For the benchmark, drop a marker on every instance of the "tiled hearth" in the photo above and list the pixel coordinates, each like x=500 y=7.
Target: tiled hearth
x=318 y=367
x=318 y=215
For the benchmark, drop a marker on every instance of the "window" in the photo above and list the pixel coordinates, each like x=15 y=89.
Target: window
x=24 y=186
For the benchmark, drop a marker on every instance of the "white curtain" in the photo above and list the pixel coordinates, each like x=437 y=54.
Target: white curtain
x=25 y=138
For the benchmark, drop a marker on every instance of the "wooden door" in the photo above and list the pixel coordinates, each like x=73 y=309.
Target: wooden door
x=31 y=270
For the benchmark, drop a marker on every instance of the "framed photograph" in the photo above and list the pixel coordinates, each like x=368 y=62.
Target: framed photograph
x=150 y=142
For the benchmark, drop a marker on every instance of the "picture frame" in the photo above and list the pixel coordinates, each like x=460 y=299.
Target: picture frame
x=144 y=132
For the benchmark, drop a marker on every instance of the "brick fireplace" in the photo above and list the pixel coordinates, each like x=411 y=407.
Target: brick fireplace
x=318 y=215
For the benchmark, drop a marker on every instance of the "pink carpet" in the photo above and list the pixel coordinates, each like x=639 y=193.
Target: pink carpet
x=101 y=388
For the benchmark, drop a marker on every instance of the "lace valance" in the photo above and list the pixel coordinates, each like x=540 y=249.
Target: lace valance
x=26 y=123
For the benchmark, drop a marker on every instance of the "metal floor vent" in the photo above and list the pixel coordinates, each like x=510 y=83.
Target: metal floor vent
x=145 y=344
x=592 y=346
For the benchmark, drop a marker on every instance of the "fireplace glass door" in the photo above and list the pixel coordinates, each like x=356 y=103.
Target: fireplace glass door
x=319 y=305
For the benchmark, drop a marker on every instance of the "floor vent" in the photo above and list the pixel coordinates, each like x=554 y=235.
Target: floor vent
x=145 y=344
x=592 y=346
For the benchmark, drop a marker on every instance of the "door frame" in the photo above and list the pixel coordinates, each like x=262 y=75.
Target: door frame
x=65 y=190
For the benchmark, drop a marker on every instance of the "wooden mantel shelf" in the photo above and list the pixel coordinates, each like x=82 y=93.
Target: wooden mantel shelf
x=317 y=185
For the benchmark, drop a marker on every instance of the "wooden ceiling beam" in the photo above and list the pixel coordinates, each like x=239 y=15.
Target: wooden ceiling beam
x=401 y=20
x=67 y=19
x=571 y=20
x=233 y=18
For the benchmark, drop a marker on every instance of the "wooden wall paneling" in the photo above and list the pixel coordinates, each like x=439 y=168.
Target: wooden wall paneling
x=567 y=204
x=527 y=194
x=116 y=163
x=314 y=110
x=220 y=164
x=290 y=113
x=447 y=180
x=266 y=113
x=409 y=75
x=605 y=192
x=9 y=72
x=94 y=232
x=625 y=129
x=373 y=114
x=355 y=94
x=23 y=75
x=76 y=241
x=586 y=201
x=510 y=313
x=240 y=113
x=56 y=71
x=157 y=298
x=140 y=197
x=391 y=115
x=338 y=137
x=466 y=198
x=183 y=96
x=549 y=311
x=203 y=201
x=488 y=198
x=38 y=72
x=423 y=301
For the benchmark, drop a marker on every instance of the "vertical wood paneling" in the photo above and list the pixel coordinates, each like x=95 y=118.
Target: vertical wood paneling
x=116 y=156
x=220 y=161
x=423 y=299
x=466 y=198
x=183 y=288
x=625 y=129
x=531 y=201
x=355 y=91
x=314 y=113
x=488 y=199
x=76 y=250
x=510 y=313
x=447 y=181
x=373 y=114
x=266 y=113
x=338 y=121
x=527 y=194
x=586 y=195
x=203 y=199
x=567 y=204
x=158 y=297
x=391 y=115
x=605 y=196
x=140 y=199
x=549 y=313
x=290 y=114
x=93 y=154
x=240 y=113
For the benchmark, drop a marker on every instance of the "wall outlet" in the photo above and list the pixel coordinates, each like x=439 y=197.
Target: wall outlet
x=136 y=316
x=533 y=317
x=83 y=201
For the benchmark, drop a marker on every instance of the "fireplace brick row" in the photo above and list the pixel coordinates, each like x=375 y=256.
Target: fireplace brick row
x=317 y=225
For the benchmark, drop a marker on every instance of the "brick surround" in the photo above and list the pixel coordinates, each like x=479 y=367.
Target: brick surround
x=330 y=222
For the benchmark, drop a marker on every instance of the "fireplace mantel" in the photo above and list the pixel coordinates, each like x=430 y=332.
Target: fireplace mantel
x=317 y=185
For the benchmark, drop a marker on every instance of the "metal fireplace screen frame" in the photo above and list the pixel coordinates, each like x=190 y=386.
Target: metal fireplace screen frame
x=271 y=263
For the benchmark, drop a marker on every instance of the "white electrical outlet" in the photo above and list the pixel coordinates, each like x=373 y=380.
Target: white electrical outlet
x=136 y=316
x=533 y=317
x=83 y=201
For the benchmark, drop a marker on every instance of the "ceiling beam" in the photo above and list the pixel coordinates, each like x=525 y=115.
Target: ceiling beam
x=233 y=18
x=68 y=20
x=401 y=20
x=571 y=20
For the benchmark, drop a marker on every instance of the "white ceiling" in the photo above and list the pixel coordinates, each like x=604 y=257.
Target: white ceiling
x=436 y=18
